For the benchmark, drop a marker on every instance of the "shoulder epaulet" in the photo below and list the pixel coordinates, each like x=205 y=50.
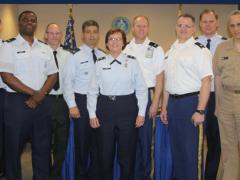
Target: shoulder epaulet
x=101 y=50
x=74 y=51
x=10 y=40
x=101 y=58
x=153 y=44
x=196 y=38
x=41 y=41
x=224 y=38
x=131 y=57
x=200 y=45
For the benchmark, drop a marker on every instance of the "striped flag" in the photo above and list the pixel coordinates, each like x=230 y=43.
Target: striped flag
x=70 y=42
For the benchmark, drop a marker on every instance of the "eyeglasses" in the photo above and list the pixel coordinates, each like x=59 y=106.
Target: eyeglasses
x=115 y=39
x=184 y=26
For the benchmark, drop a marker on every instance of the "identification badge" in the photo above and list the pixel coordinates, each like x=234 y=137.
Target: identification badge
x=149 y=52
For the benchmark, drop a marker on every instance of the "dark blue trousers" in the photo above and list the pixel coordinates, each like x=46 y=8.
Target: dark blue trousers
x=143 y=154
x=82 y=138
x=184 y=137
x=21 y=125
x=2 y=159
x=213 y=141
x=117 y=126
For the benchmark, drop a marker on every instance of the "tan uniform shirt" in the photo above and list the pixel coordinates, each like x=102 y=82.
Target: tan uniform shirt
x=227 y=65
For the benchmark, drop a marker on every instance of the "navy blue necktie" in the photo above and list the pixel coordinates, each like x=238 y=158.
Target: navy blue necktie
x=57 y=85
x=115 y=60
x=94 y=56
x=208 y=43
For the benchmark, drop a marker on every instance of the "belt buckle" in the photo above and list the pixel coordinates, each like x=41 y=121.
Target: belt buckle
x=237 y=91
x=112 y=98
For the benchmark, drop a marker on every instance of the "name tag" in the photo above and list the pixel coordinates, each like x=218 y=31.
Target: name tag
x=106 y=68
x=83 y=62
x=224 y=58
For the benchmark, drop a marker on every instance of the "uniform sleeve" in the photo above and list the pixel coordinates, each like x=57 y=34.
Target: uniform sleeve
x=92 y=94
x=215 y=62
x=6 y=58
x=159 y=60
x=140 y=89
x=205 y=63
x=68 y=82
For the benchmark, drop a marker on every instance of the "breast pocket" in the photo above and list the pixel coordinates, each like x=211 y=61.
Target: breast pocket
x=42 y=61
x=21 y=63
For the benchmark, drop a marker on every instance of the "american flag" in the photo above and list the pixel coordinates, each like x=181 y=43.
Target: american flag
x=70 y=42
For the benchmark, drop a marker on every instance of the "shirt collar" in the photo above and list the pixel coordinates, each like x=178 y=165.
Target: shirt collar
x=187 y=43
x=142 y=44
x=87 y=48
x=22 y=41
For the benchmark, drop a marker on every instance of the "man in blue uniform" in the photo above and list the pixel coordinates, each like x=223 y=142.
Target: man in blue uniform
x=150 y=58
x=188 y=72
x=29 y=70
x=210 y=39
x=77 y=73
x=59 y=109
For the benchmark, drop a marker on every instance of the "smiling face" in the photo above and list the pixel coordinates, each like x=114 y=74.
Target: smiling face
x=208 y=24
x=53 y=35
x=140 y=28
x=27 y=24
x=185 y=29
x=115 y=43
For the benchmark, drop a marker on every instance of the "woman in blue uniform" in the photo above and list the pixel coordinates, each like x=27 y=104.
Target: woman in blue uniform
x=116 y=101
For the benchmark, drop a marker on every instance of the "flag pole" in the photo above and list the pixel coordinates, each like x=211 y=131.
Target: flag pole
x=179 y=9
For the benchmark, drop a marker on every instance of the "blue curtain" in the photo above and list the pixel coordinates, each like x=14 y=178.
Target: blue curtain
x=162 y=150
x=68 y=167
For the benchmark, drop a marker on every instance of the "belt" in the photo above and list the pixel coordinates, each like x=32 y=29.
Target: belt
x=57 y=96
x=231 y=89
x=183 y=95
x=115 y=98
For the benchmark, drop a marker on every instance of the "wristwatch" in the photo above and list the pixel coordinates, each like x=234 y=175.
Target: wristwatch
x=202 y=112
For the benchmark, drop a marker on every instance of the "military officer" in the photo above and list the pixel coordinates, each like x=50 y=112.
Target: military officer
x=59 y=109
x=77 y=73
x=150 y=57
x=227 y=89
x=188 y=72
x=29 y=70
x=120 y=107
x=210 y=39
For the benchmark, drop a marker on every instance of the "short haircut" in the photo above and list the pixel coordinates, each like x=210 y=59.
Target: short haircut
x=89 y=23
x=207 y=11
x=113 y=31
x=26 y=12
x=136 y=17
x=233 y=13
x=49 y=24
x=186 y=15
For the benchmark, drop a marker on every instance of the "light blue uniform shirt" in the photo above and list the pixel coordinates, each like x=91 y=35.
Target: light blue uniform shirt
x=77 y=73
x=62 y=56
x=215 y=41
x=30 y=64
x=118 y=78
